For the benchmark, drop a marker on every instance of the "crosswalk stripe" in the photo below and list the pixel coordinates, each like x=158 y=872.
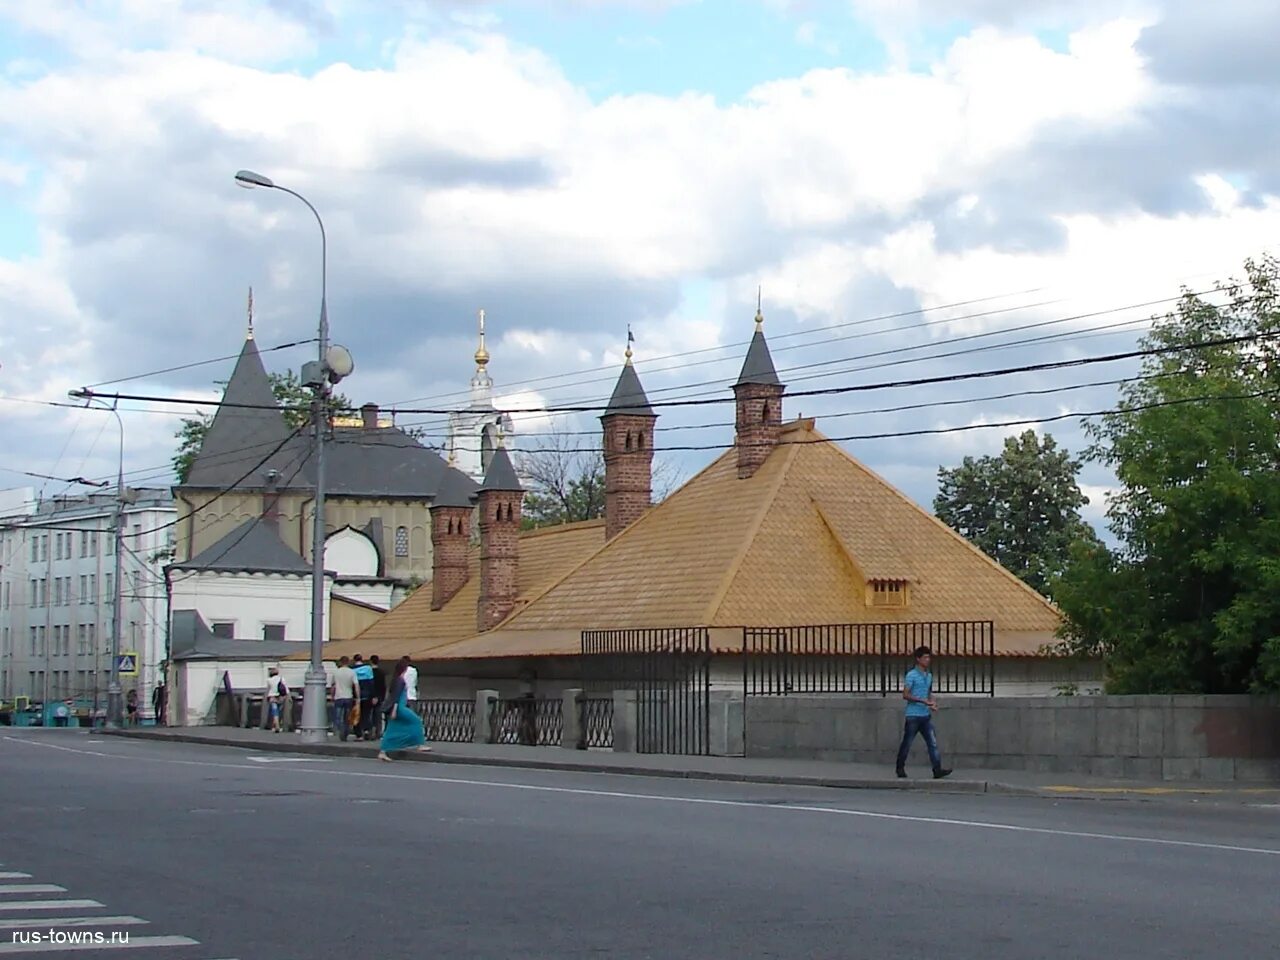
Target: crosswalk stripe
x=14 y=876
x=14 y=923
x=135 y=943
x=7 y=888
x=48 y=904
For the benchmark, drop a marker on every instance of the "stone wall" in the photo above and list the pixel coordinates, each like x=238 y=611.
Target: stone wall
x=1149 y=737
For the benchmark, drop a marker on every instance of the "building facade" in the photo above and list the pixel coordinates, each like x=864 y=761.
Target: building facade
x=57 y=590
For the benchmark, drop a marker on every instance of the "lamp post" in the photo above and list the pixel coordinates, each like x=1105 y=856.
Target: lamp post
x=115 y=695
x=331 y=366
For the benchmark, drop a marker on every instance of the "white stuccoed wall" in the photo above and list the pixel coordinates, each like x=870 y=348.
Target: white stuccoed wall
x=250 y=600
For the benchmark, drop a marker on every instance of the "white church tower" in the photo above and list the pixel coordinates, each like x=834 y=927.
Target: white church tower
x=473 y=431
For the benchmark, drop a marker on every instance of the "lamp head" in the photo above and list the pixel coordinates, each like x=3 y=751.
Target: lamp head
x=248 y=179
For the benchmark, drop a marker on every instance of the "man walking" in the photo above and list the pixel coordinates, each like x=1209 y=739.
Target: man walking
x=917 y=690
x=379 y=695
x=364 y=677
x=345 y=687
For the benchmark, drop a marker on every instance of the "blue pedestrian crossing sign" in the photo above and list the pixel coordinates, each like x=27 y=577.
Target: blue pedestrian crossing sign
x=127 y=664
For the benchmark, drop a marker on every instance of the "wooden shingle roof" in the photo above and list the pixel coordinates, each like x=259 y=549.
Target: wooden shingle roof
x=795 y=544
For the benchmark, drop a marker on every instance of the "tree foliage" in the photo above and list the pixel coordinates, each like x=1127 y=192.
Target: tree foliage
x=1189 y=602
x=292 y=396
x=1021 y=508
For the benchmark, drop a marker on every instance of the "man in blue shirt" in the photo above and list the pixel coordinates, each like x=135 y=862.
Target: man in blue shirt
x=918 y=692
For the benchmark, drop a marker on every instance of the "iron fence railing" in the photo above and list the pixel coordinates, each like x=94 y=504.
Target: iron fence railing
x=867 y=657
x=597 y=721
x=447 y=721
x=533 y=721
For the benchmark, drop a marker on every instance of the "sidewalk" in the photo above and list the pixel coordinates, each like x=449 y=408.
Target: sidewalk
x=813 y=773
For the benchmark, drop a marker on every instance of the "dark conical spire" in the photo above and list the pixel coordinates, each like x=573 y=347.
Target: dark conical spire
x=456 y=489
x=628 y=395
x=247 y=427
x=501 y=475
x=758 y=366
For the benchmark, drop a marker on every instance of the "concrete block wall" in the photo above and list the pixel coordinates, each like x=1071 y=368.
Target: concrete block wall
x=1148 y=737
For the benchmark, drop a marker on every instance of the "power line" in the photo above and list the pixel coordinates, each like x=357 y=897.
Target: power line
x=830 y=391
x=197 y=363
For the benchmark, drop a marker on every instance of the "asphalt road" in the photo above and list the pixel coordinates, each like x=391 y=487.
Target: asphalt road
x=227 y=856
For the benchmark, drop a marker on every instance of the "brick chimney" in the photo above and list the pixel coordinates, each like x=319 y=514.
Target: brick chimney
x=759 y=405
x=500 y=498
x=369 y=414
x=628 y=424
x=450 y=535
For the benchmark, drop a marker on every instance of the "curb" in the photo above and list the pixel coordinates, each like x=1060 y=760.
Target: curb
x=573 y=766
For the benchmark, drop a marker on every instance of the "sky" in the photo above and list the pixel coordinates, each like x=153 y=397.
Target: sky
x=913 y=189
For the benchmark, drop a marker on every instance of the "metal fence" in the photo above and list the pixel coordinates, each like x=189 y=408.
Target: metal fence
x=597 y=721
x=447 y=721
x=533 y=721
x=670 y=671
x=867 y=657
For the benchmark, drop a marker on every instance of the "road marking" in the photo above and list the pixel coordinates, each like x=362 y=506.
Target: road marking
x=692 y=801
x=290 y=759
x=14 y=876
x=48 y=904
x=1163 y=791
x=8 y=888
x=134 y=943
x=14 y=923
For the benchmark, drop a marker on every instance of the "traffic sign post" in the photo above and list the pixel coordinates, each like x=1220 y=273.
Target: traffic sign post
x=127 y=663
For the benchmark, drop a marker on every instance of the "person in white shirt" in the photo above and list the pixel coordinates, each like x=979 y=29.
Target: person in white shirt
x=275 y=694
x=411 y=682
x=345 y=691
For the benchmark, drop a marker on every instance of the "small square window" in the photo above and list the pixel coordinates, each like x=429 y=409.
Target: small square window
x=889 y=593
x=402 y=541
x=273 y=631
x=225 y=629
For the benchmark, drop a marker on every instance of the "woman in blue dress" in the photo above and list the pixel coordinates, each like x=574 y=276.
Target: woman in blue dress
x=404 y=727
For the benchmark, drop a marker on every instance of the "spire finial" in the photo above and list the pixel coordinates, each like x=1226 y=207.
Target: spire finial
x=249 y=335
x=502 y=437
x=482 y=355
x=759 y=310
x=453 y=456
x=631 y=338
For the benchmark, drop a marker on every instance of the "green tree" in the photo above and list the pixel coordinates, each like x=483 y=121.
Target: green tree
x=1189 y=602
x=1021 y=508
x=292 y=396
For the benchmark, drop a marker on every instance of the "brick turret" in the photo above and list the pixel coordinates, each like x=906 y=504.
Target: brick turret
x=500 y=498
x=450 y=536
x=628 y=424
x=759 y=405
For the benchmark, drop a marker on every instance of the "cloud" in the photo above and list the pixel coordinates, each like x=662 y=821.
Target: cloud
x=469 y=169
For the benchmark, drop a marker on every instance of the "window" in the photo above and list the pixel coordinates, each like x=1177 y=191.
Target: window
x=84 y=543
x=6 y=595
x=888 y=593
x=80 y=637
x=44 y=547
x=43 y=638
x=44 y=592
x=93 y=586
x=91 y=636
x=225 y=629
x=106 y=584
x=273 y=631
x=35 y=549
x=57 y=591
x=402 y=541
x=111 y=543
x=34 y=641
x=35 y=594
x=93 y=543
x=137 y=534
x=57 y=546
x=84 y=592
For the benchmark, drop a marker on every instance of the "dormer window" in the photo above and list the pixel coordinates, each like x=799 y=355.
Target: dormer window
x=888 y=593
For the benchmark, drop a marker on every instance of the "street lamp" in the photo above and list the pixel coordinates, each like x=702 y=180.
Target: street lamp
x=115 y=695
x=332 y=365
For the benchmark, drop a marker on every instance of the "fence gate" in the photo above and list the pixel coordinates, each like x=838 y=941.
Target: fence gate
x=670 y=671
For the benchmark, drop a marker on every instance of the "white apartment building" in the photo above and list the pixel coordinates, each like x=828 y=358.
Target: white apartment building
x=57 y=568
